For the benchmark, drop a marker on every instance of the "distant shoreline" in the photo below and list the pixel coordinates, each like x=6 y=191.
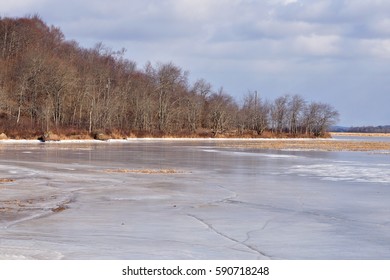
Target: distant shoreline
x=359 y=134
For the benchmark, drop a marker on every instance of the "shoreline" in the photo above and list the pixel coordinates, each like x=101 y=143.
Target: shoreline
x=131 y=139
x=286 y=144
x=168 y=138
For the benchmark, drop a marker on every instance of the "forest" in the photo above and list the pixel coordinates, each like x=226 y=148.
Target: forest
x=50 y=85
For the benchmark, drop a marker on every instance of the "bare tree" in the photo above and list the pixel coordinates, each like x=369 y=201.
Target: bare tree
x=296 y=106
x=279 y=113
x=221 y=111
x=171 y=82
x=194 y=105
x=319 y=117
x=47 y=83
x=255 y=113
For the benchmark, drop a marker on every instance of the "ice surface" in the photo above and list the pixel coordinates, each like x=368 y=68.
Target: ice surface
x=224 y=204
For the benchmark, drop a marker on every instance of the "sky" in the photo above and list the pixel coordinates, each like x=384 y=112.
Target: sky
x=330 y=51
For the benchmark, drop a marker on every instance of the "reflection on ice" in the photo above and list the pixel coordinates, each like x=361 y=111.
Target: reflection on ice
x=226 y=204
x=374 y=173
x=236 y=153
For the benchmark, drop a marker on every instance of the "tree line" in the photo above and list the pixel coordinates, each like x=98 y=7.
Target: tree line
x=48 y=83
x=369 y=129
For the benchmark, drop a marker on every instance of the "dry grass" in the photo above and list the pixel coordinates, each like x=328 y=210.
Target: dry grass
x=17 y=209
x=315 y=144
x=59 y=208
x=143 y=171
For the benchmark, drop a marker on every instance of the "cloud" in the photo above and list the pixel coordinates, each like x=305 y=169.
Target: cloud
x=378 y=48
x=200 y=10
x=317 y=45
x=10 y=8
x=276 y=28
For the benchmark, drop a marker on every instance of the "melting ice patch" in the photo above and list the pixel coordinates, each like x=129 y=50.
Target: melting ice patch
x=352 y=172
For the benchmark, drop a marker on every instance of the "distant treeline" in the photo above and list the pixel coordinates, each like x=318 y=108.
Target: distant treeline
x=50 y=84
x=361 y=129
x=370 y=129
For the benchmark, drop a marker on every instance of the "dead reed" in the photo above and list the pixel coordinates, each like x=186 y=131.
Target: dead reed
x=315 y=144
x=6 y=180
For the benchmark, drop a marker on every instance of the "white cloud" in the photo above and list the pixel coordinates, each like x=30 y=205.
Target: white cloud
x=283 y=2
x=380 y=27
x=200 y=10
x=378 y=48
x=316 y=45
x=19 y=7
x=286 y=2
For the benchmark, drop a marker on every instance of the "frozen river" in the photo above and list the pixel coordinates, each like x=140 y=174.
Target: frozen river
x=65 y=202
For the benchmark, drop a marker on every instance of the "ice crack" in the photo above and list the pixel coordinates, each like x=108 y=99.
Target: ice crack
x=251 y=248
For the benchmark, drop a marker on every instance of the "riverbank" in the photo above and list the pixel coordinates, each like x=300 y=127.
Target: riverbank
x=253 y=143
